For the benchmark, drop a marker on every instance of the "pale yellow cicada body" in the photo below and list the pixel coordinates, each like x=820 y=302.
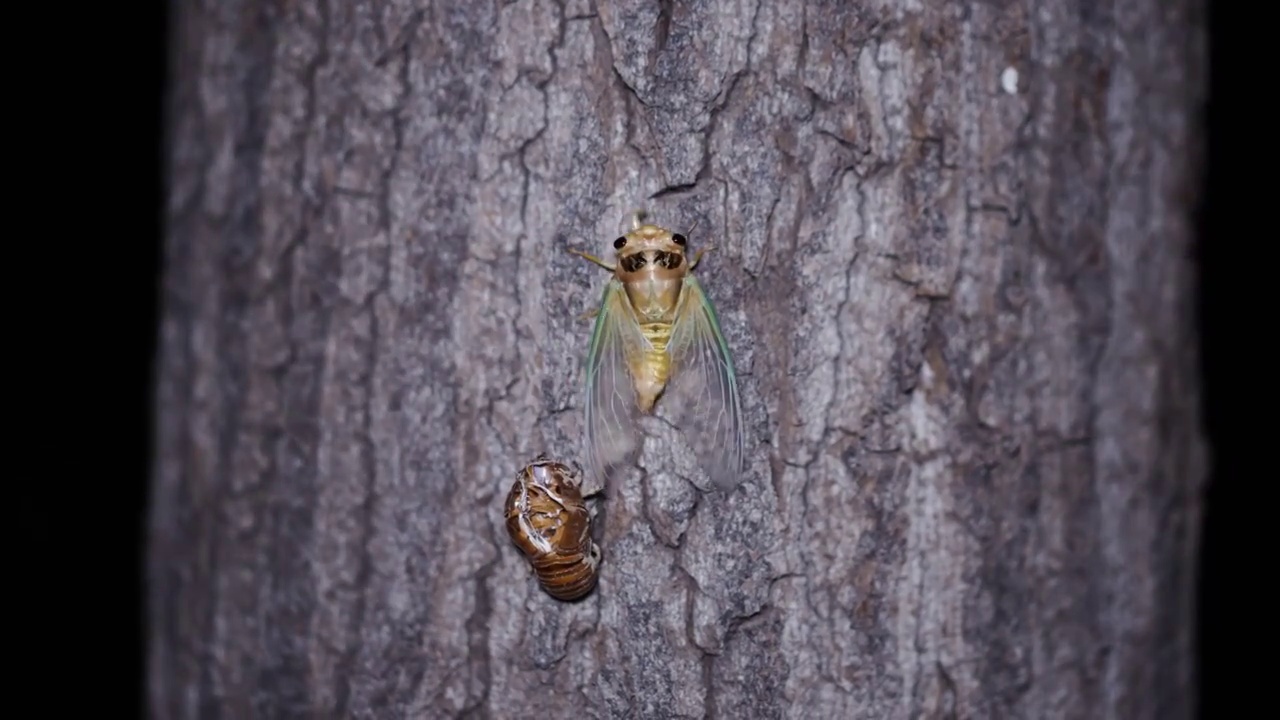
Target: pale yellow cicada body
x=657 y=335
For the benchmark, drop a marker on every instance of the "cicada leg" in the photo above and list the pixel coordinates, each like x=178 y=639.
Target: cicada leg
x=531 y=534
x=591 y=314
x=698 y=256
x=593 y=259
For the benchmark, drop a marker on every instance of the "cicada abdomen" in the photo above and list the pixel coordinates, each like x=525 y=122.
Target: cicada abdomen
x=548 y=520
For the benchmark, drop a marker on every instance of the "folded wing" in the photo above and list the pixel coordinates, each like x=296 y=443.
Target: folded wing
x=704 y=387
x=611 y=427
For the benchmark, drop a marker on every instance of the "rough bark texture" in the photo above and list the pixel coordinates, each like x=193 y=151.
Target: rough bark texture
x=951 y=257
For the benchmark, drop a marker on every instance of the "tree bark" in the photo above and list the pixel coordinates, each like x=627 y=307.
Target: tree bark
x=951 y=256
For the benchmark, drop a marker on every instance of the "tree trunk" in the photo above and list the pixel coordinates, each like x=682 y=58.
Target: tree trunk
x=951 y=256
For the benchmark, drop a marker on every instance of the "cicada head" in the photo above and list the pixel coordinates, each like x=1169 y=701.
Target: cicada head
x=650 y=248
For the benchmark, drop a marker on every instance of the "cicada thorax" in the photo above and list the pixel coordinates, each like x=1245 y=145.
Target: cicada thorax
x=653 y=287
x=549 y=522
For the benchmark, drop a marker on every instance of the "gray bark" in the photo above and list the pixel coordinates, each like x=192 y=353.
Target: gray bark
x=960 y=303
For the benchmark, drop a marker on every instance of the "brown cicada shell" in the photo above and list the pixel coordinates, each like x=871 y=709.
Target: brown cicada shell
x=548 y=521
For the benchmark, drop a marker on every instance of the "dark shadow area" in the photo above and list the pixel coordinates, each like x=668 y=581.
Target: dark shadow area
x=149 y=289
x=85 y=264
x=1216 y=350
x=150 y=220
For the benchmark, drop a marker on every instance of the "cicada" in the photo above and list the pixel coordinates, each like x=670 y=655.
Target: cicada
x=657 y=335
x=548 y=520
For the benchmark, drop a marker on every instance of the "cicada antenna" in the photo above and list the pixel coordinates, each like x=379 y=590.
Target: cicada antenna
x=693 y=227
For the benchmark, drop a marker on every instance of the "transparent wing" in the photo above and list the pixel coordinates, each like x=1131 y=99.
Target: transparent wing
x=705 y=386
x=611 y=427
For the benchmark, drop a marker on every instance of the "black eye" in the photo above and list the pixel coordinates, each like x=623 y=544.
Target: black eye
x=617 y=244
x=678 y=239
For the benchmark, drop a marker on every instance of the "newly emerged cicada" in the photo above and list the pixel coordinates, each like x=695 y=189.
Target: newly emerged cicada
x=656 y=335
x=548 y=521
